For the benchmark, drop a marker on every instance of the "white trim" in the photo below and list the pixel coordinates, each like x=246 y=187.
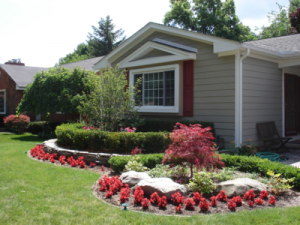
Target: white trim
x=133 y=59
x=237 y=118
x=288 y=62
x=150 y=28
x=4 y=90
x=176 y=45
x=160 y=109
x=18 y=88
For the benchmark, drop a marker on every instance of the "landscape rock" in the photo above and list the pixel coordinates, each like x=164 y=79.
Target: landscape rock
x=132 y=177
x=240 y=186
x=163 y=186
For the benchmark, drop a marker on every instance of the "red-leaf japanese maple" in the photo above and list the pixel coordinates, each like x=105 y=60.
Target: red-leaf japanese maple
x=195 y=145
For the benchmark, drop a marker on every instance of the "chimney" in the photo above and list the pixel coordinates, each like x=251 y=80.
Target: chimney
x=16 y=62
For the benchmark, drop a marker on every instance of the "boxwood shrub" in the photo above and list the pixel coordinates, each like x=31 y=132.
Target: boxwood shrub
x=74 y=136
x=242 y=163
x=150 y=160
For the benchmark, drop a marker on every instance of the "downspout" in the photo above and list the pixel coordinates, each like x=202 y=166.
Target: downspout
x=241 y=96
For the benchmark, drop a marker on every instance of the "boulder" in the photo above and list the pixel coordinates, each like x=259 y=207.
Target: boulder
x=163 y=186
x=240 y=186
x=132 y=177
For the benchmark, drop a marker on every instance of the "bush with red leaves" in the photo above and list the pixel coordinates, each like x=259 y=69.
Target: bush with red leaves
x=238 y=200
x=125 y=193
x=197 y=197
x=163 y=202
x=92 y=164
x=136 y=151
x=193 y=144
x=189 y=204
x=272 y=200
x=177 y=198
x=231 y=205
x=259 y=201
x=112 y=184
x=145 y=203
x=250 y=203
x=19 y=123
x=154 y=198
x=263 y=194
x=213 y=201
x=222 y=196
x=204 y=206
x=249 y=195
x=138 y=195
x=178 y=209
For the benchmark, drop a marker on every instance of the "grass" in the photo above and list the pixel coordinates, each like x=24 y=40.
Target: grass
x=32 y=192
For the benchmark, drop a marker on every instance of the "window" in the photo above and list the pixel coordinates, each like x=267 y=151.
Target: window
x=2 y=102
x=159 y=88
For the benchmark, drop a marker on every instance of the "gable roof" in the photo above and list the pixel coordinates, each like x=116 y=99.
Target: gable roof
x=283 y=46
x=85 y=64
x=21 y=75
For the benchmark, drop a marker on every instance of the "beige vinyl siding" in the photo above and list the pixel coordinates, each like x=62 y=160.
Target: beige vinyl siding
x=214 y=85
x=262 y=96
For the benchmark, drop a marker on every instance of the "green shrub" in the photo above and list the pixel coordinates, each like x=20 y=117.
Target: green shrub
x=39 y=126
x=133 y=165
x=255 y=164
x=117 y=142
x=150 y=160
x=156 y=125
x=202 y=182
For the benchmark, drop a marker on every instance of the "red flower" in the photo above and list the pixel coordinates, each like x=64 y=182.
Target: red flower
x=138 y=195
x=189 y=204
x=177 y=198
x=213 y=200
x=163 y=202
x=272 y=200
x=263 y=194
x=145 y=203
x=197 y=197
x=231 y=205
x=154 y=198
x=238 y=200
x=259 y=201
x=249 y=195
x=178 y=209
x=92 y=164
x=250 y=203
x=222 y=196
x=204 y=205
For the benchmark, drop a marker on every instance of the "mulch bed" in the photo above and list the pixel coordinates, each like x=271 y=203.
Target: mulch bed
x=289 y=199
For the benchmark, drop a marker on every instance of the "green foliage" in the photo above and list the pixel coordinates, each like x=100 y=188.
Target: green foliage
x=244 y=149
x=279 y=184
x=115 y=142
x=160 y=171
x=80 y=53
x=109 y=103
x=133 y=165
x=150 y=161
x=261 y=166
x=212 y=17
x=104 y=38
x=202 y=182
x=56 y=90
x=39 y=126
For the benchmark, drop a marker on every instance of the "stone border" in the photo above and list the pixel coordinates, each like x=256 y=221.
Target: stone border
x=51 y=146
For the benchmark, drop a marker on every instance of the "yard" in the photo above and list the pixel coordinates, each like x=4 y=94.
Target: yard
x=32 y=192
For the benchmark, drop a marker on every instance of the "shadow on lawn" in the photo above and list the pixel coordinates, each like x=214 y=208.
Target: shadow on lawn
x=21 y=137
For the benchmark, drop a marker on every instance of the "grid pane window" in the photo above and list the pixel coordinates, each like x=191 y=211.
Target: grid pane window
x=157 y=88
x=2 y=101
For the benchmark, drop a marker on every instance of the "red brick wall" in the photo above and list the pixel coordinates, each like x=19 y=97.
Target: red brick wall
x=13 y=97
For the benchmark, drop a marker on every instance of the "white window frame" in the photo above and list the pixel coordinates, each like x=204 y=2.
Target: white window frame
x=159 y=109
x=4 y=90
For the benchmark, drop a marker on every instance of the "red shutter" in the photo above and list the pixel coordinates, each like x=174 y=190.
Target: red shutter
x=188 y=88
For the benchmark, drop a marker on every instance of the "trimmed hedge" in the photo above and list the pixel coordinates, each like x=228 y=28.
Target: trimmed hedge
x=242 y=163
x=261 y=166
x=118 y=162
x=116 y=142
x=156 y=125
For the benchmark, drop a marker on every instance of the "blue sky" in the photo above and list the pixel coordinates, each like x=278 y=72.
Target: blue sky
x=41 y=31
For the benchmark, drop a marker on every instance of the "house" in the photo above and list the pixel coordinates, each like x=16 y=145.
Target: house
x=14 y=76
x=189 y=75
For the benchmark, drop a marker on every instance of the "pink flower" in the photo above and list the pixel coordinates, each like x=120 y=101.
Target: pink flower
x=134 y=128
x=121 y=128
x=130 y=130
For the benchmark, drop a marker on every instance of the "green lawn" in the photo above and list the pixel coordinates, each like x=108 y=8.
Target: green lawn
x=32 y=192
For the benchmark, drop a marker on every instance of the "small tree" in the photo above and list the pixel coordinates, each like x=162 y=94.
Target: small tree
x=111 y=101
x=192 y=144
x=295 y=20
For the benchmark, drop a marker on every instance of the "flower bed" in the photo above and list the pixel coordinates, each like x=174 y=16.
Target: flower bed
x=190 y=204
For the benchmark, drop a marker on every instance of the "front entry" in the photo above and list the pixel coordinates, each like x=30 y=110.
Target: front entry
x=292 y=104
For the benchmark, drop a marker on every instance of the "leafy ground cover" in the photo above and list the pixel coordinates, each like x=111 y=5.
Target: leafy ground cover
x=41 y=193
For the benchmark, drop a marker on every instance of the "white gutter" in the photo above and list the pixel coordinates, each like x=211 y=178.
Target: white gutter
x=241 y=97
